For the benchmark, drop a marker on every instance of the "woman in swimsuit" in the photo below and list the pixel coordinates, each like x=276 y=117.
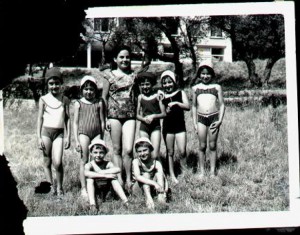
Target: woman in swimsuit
x=119 y=98
x=89 y=123
x=208 y=112
x=52 y=123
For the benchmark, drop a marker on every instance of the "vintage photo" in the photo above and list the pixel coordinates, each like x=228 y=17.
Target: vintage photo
x=164 y=113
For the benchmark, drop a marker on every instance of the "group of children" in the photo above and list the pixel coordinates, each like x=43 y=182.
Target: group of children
x=160 y=113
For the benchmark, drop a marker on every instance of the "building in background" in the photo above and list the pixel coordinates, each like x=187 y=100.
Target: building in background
x=214 y=46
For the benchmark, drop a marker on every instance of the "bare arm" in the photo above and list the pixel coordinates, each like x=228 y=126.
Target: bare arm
x=110 y=173
x=40 y=124
x=76 y=125
x=102 y=118
x=218 y=123
x=185 y=105
x=104 y=99
x=194 y=108
x=67 y=123
x=139 y=115
x=139 y=177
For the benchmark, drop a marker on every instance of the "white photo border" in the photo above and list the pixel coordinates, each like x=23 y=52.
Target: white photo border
x=204 y=221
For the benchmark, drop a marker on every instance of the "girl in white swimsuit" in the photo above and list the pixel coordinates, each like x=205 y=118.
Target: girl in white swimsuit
x=52 y=123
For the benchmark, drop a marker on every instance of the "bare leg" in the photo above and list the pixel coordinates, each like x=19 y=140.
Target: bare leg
x=181 y=145
x=84 y=142
x=155 y=140
x=147 y=192
x=213 y=137
x=57 y=153
x=202 y=134
x=161 y=181
x=116 y=137
x=128 y=133
x=170 y=142
x=47 y=160
x=91 y=191
x=119 y=190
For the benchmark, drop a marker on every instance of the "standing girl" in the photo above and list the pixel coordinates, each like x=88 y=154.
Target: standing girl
x=53 y=117
x=89 y=123
x=208 y=111
x=150 y=110
x=118 y=94
x=176 y=102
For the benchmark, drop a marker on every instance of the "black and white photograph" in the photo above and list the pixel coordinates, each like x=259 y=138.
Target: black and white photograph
x=153 y=118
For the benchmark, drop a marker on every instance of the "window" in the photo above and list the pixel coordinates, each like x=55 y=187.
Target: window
x=101 y=24
x=217 y=53
x=216 y=32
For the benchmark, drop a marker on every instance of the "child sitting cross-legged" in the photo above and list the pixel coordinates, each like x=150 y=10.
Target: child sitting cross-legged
x=101 y=173
x=148 y=173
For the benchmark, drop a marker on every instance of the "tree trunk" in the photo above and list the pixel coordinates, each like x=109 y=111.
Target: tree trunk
x=268 y=69
x=102 y=62
x=192 y=51
x=252 y=75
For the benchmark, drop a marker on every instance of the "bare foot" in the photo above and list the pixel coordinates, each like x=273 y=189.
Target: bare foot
x=174 y=180
x=150 y=204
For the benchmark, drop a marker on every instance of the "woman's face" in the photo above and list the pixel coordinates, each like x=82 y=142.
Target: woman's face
x=123 y=60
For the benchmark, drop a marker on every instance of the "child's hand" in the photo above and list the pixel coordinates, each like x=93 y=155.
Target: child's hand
x=215 y=126
x=108 y=126
x=67 y=143
x=160 y=95
x=159 y=188
x=78 y=147
x=111 y=176
x=149 y=118
x=41 y=145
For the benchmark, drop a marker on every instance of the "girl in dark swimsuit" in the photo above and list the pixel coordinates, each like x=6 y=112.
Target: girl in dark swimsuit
x=176 y=102
x=208 y=112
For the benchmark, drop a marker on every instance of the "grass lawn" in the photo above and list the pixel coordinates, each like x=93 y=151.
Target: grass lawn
x=252 y=167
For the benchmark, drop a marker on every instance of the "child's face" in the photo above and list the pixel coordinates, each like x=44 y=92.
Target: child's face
x=98 y=153
x=88 y=92
x=168 y=84
x=143 y=152
x=205 y=76
x=54 y=86
x=123 y=60
x=146 y=87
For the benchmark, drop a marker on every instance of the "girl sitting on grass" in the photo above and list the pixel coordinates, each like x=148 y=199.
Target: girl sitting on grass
x=208 y=112
x=89 y=123
x=52 y=123
x=149 y=111
x=176 y=102
x=148 y=174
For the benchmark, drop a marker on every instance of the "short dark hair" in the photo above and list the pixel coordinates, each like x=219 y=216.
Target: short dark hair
x=117 y=50
x=142 y=77
x=98 y=146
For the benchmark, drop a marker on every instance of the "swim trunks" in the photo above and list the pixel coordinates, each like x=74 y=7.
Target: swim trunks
x=208 y=119
x=52 y=133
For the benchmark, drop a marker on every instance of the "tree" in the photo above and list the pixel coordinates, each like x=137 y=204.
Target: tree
x=192 y=29
x=254 y=37
x=99 y=30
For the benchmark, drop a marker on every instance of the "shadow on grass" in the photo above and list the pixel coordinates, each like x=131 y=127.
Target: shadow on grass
x=226 y=159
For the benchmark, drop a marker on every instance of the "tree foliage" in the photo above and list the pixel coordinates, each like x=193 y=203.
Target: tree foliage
x=254 y=37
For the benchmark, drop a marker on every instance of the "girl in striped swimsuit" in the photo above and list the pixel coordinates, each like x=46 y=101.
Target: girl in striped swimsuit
x=208 y=111
x=89 y=123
